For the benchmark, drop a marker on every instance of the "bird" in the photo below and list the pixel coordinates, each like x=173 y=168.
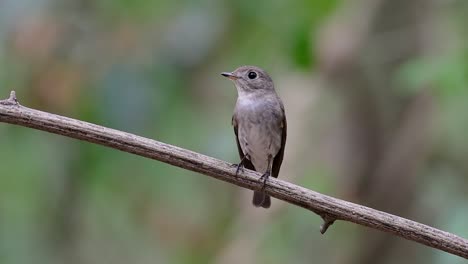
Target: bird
x=260 y=126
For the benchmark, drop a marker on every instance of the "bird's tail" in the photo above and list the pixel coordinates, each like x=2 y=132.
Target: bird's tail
x=261 y=199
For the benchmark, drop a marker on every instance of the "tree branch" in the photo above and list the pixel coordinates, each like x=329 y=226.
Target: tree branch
x=329 y=208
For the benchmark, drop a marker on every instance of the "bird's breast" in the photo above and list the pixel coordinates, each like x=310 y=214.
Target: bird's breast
x=259 y=130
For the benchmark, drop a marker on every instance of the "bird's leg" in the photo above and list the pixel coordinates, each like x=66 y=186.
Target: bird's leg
x=240 y=166
x=267 y=174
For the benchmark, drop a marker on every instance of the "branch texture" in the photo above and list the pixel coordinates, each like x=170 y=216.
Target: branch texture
x=329 y=208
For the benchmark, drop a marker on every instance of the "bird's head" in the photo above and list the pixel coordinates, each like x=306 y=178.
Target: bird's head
x=250 y=79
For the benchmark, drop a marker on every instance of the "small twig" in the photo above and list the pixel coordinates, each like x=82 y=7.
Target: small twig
x=327 y=222
x=11 y=100
x=328 y=207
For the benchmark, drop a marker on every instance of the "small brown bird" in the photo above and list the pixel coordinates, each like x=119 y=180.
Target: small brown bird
x=259 y=124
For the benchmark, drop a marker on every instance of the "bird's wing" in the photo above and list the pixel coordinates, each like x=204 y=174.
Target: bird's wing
x=279 y=157
x=247 y=163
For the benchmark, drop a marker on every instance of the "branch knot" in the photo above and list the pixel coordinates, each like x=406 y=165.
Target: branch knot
x=11 y=100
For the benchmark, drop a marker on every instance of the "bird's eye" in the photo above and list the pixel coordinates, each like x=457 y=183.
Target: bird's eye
x=252 y=75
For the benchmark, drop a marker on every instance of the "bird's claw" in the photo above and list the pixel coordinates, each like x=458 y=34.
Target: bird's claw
x=239 y=167
x=264 y=178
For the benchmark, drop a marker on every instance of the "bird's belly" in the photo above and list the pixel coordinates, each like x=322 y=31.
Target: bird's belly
x=259 y=143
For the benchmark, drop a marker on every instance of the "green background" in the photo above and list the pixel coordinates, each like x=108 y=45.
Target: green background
x=375 y=93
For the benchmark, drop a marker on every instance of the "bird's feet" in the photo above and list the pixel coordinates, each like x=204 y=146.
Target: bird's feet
x=264 y=179
x=239 y=167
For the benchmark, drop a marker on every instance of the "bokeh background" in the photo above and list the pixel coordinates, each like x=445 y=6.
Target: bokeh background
x=376 y=97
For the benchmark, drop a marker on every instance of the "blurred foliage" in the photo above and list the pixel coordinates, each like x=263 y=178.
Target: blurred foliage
x=152 y=68
x=448 y=75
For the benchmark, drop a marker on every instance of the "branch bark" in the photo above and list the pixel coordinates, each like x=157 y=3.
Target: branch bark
x=327 y=207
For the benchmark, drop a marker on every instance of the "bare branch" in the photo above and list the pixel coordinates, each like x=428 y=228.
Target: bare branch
x=11 y=100
x=327 y=207
x=327 y=222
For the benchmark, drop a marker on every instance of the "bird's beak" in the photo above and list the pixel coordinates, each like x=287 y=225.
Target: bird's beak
x=230 y=75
